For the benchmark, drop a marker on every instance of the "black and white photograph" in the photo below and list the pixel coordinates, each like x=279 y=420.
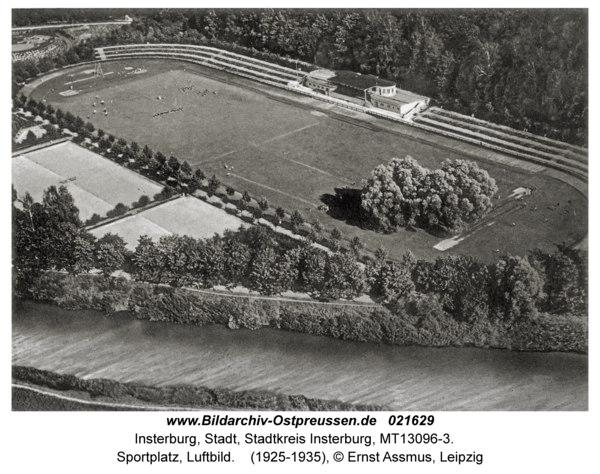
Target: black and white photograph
x=380 y=212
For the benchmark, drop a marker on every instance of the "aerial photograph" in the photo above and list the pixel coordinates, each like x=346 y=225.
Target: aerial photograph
x=299 y=209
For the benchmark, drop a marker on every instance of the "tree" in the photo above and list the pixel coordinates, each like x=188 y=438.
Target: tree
x=297 y=219
x=83 y=253
x=116 y=148
x=230 y=190
x=148 y=261
x=263 y=203
x=312 y=270
x=45 y=234
x=69 y=117
x=148 y=152
x=110 y=253
x=111 y=138
x=135 y=147
x=199 y=175
x=161 y=158
x=280 y=212
x=335 y=239
x=93 y=220
x=516 y=288
x=213 y=185
x=381 y=254
x=390 y=280
x=174 y=163
x=317 y=226
x=90 y=127
x=461 y=284
x=356 y=246
x=237 y=258
x=100 y=131
x=118 y=210
x=565 y=279
x=246 y=197
x=104 y=144
x=186 y=170
x=78 y=123
x=343 y=277
x=271 y=274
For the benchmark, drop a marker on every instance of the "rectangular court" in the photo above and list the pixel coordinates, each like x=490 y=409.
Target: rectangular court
x=97 y=184
x=183 y=216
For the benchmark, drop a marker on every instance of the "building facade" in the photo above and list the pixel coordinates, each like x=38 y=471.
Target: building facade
x=371 y=90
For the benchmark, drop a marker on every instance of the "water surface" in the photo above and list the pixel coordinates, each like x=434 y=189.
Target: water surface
x=90 y=345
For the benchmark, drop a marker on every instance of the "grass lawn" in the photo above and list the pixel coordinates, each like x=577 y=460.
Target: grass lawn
x=293 y=155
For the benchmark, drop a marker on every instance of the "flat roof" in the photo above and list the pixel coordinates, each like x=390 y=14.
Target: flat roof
x=323 y=74
x=402 y=96
x=360 y=81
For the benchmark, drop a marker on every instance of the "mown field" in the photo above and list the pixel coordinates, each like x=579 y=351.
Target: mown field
x=294 y=156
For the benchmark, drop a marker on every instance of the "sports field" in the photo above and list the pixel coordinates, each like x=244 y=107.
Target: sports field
x=184 y=216
x=97 y=184
x=293 y=150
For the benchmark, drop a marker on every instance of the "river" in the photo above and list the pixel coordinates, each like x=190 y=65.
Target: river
x=90 y=345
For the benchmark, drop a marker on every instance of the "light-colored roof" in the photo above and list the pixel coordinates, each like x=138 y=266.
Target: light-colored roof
x=360 y=81
x=323 y=74
x=402 y=96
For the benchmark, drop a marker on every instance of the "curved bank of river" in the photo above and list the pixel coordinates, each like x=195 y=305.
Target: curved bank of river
x=90 y=345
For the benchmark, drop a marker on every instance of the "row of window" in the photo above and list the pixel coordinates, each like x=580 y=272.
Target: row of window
x=381 y=104
x=310 y=84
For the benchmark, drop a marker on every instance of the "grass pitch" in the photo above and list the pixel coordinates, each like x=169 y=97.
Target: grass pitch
x=293 y=156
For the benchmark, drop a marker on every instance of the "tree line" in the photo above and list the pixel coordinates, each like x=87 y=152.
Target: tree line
x=526 y=69
x=49 y=236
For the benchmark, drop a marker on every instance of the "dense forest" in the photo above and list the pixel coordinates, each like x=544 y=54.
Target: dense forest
x=527 y=69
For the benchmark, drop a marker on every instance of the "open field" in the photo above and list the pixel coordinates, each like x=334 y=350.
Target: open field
x=97 y=184
x=184 y=216
x=281 y=149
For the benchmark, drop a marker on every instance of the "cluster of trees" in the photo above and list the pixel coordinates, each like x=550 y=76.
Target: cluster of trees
x=527 y=69
x=403 y=193
x=22 y=17
x=49 y=236
x=257 y=258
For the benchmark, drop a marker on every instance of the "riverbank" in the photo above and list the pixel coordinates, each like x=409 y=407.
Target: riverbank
x=110 y=395
x=89 y=345
x=419 y=322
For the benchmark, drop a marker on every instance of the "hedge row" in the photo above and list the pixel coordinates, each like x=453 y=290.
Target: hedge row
x=420 y=320
x=184 y=395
